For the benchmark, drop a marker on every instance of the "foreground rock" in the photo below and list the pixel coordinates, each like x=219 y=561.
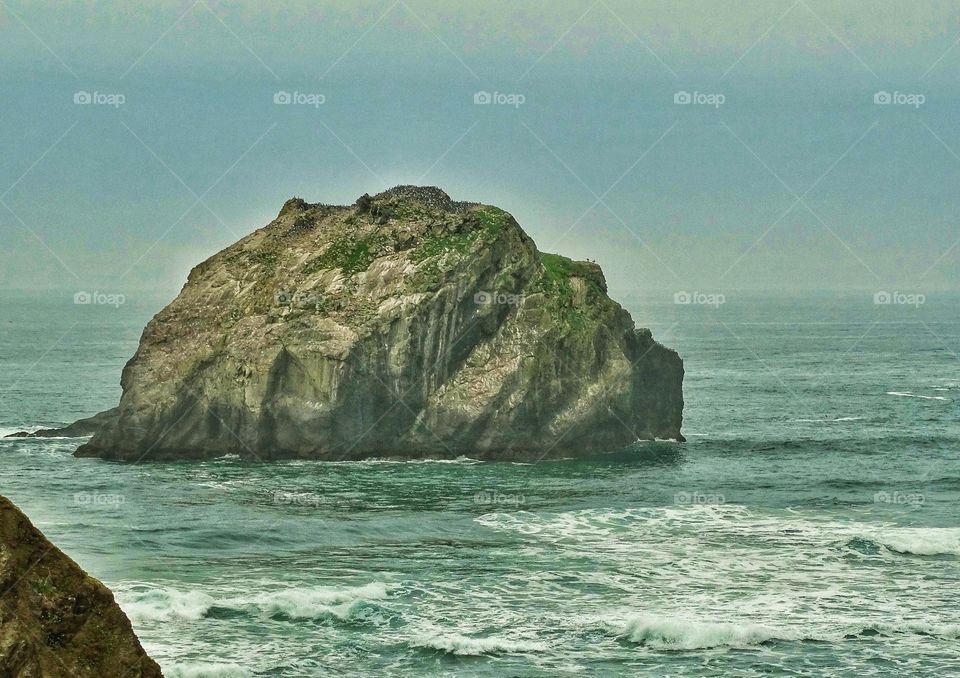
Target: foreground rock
x=55 y=620
x=405 y=325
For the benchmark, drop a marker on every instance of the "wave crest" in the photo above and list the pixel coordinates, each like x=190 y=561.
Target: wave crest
x=318 y=602
x=678 y=634
x=293 y=604
x=459 y=644
x=208 y=670
x=931 y=541
x=165 y=604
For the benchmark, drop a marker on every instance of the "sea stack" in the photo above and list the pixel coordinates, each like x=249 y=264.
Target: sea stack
x=56 y=620
x=405 y=325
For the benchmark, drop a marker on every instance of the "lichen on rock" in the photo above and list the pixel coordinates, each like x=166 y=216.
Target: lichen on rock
x=405 y=325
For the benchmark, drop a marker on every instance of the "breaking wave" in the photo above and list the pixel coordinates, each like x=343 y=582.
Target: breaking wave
x=165 y=604
x=290 y=604
x=678 y=634
x=666 y=633
x=916 y=541
x=205 y=670
x=459 y=644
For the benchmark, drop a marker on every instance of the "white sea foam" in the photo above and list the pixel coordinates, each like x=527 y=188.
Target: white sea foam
x=459 y=460
x=389 y=460
x=665 y=633
x=310 y=603
x=919 y=541
x=918 y=628
x=613 y=528
x=908 y=394
x=459 y=644
x=940 y=630
x=207 y=670
x=295 y=603
x=673 y=633
x=829 y=421
x=165 y=604
x=946 y=386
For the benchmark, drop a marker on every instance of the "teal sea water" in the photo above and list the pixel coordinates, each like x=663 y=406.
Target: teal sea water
x=809 y=526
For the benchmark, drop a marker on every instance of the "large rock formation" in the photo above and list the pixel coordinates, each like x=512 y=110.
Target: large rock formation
x=55 y=620
x=403 y=325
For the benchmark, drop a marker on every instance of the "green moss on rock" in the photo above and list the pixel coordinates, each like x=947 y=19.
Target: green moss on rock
x=433 y=245
x=350 y=255
x=492 y=219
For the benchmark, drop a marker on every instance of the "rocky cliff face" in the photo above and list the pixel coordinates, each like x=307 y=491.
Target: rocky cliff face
x=55 y=620
x=403 y=325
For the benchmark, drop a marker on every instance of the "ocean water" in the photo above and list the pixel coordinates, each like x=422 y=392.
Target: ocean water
x=809 y=526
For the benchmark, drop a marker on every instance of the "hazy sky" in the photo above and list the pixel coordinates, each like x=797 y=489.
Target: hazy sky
x=792 y=178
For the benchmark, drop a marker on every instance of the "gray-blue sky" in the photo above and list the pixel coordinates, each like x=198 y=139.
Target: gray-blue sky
x=598 y=162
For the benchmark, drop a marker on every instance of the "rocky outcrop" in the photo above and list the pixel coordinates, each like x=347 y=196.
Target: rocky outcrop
x=78 y=429
x=405 y=325
x=55 y=620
